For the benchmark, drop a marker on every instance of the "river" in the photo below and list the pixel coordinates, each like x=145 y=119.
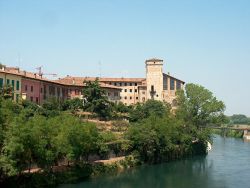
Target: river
x=227 y=165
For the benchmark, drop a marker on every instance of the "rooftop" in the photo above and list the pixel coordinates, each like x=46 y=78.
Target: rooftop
x=154 y=60
x=82 y=79
x=79 y=81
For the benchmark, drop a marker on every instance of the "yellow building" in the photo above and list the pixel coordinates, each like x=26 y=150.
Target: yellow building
x=11 y=77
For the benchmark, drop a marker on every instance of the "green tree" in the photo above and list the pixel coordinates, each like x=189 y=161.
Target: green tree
x=239 y=119
x=199 y=107
x=149 y=108
x=122 y=108
x=6 y=92
x=73 y=105
x=51 y=108
x=96 y=100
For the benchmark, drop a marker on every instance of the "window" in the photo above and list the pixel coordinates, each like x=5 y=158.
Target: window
x=115 y=84
x=135 y=90
x=125 y=90
x=178 y=85
x=77 y=92
x=116 y=94
x=172 y=87
x=41 y=90
x=17 y=97
x=26 y=88
x=17 y=85
x=120 y=84
x=13 y=83
x=135 y=84
x=110 y=83
x=130 y=98
x=125 y=97
x=165 y=83
x=52 y=90
x=31 y=88
x=59 y=91
x=31 y=99
x=125 y=84
x=152 y=88
x=1 y=82
x=130 y=84
x=130 y=90
x=8 y=82
x=137 y=98
x=37 y=100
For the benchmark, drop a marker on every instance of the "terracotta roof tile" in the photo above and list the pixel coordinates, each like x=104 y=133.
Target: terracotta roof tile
x=82 y=79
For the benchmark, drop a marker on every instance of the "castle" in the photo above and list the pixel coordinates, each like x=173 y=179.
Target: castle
x=34 y=87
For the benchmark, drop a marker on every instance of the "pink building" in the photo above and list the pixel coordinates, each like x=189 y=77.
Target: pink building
x=37 y=89
x=32 y=89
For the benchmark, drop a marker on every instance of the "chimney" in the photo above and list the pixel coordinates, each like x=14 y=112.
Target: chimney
x=24 y=72
x=2 y=67
x=35 y=75
x=73 y=80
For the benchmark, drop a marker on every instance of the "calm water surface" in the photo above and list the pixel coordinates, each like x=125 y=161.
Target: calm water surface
x=227 y=165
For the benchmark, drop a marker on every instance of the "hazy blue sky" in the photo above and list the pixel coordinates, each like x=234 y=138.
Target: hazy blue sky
x=202 y=41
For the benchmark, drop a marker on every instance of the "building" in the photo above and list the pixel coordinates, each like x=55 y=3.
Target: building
x=118 y=89
x=10 y=76
x=157 y=85
x=33 y=87
x=75 y=86
x=37 y=89
x=161 y=86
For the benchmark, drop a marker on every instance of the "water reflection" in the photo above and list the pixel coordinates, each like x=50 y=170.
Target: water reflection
x=227 y=165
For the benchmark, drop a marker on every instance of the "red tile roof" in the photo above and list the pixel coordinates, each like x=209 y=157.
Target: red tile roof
x=82 y=79
x=78 y=81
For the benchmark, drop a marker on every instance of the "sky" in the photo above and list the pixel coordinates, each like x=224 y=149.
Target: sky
x=206 y=42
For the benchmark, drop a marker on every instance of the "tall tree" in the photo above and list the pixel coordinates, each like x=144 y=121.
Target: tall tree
x=149 y=108
x=199 y=107
x=96 y=100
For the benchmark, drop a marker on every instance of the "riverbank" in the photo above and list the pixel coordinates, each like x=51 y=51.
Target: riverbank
x=227 y=165
x=70 y=174
x=81 y=171
x=229 y=133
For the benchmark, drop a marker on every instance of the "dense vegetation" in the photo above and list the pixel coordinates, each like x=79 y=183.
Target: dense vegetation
x=52 y=135
x=239 y=119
